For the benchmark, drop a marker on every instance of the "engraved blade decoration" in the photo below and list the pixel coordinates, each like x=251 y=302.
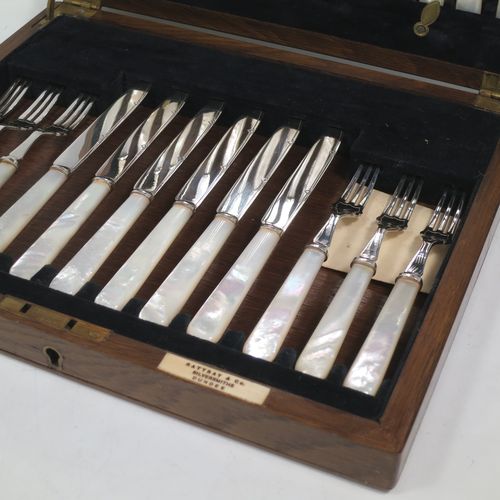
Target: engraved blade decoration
x=179 y=149
x=131 y=150
x=98 y=131
x=298 y=188
x=218 y=161
x=260 y=169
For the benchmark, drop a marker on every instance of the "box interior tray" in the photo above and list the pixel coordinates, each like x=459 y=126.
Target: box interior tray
x=443 y=142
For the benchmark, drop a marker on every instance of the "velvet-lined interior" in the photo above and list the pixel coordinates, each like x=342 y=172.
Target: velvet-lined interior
x=458 y=37
x=403 y=133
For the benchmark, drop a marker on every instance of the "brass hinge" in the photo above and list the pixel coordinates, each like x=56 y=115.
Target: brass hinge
x=54 y=319
x=82 y=8
x=489 y=93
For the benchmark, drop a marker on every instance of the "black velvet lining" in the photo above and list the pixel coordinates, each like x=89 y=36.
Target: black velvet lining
x=458 y=37
x=397 y=130
x=380 y=125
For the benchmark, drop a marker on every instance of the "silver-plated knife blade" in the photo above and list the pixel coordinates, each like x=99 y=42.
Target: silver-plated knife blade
x=295 y=192
x=258 y=171
x=137 y=143
x=178 y=150
x=97 y=132
x=219 y=160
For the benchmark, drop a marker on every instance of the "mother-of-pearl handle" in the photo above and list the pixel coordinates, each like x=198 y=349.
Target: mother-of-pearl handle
x=82 y=267
x=320 y=352
x=17 y=217
x=7 y=170
x=267 y=337
x=132 y=275
x=367 y=372
x=46 y=248
x=174 y=292
x=214 y=316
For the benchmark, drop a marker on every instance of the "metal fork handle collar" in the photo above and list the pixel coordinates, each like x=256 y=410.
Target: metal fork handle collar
x=10 y=160
x=323 y=239
x=415 y=269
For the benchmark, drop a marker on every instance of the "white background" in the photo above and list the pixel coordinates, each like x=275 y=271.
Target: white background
x=62 y=440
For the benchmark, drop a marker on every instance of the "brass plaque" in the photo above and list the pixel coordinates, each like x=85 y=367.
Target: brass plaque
x=214 y=379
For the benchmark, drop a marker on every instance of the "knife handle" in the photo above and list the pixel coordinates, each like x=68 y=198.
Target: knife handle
x=320 y=352
x=131 y=276
x=83 y=266
x=174 y=292
x=17 y=217
x=268 y=335
x=368 y=370
x=214 y=316
x=46 y=248
x=7 y=170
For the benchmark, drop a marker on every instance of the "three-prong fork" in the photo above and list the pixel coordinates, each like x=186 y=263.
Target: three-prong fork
x=12 y=96
x=368 y=370
x=267 y=337
x=66 y=123
x=320 y=352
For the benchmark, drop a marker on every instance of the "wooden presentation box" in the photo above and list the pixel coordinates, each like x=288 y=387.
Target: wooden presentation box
x=411 y=105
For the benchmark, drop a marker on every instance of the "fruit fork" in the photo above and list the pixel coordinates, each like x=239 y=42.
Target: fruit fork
x=66 y=123
x=368 y=370
x=321 y=350
x=267 y=337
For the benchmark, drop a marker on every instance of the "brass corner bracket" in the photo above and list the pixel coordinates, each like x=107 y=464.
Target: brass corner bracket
x=82 y=8
x=489 y=93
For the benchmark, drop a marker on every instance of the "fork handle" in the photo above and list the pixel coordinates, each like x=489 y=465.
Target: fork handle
x=320 y=352
x=46 y=248
x=17 y=217
x=214 y=316
x=268 y=335
x=368 y=370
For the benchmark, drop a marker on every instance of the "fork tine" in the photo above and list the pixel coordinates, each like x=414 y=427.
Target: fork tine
x=456 y=218
x=44 y=108
x=352 y=182
x=413 y=202
x=6 y=95
x=443 y=221
x=370 y=188
x=437 y=211
x=12 y=96
x=33 y=106
x=354 y=196
x=68 y=112
x=402 y=200
x=392 y=200
x=79 y=114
